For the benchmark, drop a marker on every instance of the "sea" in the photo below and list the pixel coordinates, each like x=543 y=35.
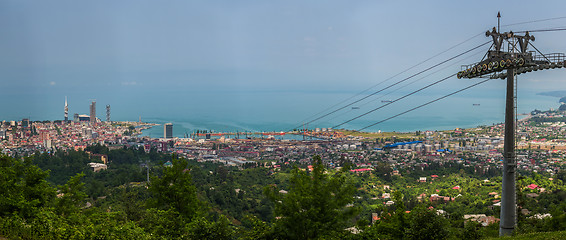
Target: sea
x=275 y=111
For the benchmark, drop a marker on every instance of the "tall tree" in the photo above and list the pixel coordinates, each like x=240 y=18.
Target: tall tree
x=175 y=190
x=72 y=196
x=316 y=204
x=24 y=187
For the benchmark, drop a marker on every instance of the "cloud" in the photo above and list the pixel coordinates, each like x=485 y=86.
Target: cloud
x=52 y=83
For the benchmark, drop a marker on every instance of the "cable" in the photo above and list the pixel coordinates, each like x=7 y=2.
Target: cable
x=406 y=70
x=541 y=20
x=389 y=103
x=401 y=87
x=543 y=30
x=422 y=105
x=416 y=74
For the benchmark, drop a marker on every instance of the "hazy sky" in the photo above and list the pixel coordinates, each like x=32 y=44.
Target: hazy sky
x=172 y=50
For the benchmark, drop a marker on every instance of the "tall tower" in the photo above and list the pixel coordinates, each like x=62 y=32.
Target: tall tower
x=514 y=59
x=93 y=112
x=66 y=110
x=168 y=130
x=108 y=113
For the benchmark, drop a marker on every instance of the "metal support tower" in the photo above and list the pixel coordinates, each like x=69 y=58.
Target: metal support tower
x=108 y=113
x=66 y=110
x=508 y=194
x=514 y=60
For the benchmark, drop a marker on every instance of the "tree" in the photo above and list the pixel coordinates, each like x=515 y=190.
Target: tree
x=426 y=224
x=315 y=205
x=72 y=196
x=175 y=190
x=24 y=187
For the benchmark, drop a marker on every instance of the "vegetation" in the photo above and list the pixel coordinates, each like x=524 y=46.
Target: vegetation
x=316 y=205
x=57 y=196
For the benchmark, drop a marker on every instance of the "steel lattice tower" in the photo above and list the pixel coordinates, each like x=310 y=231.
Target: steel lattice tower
x=108 y=113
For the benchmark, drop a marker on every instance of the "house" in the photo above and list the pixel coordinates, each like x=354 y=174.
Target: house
x=422 y=179
x=532 y=195
x=374 y=218
x=481 y=218
x=97 y=166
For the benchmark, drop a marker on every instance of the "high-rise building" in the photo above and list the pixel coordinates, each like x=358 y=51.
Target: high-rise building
x=168 y=130
x=25 y=123
x=93 y=112
x=66 y=110
x=108 y=113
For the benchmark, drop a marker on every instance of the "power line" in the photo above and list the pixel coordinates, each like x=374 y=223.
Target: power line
x=418 y=64
x=422 y=105
x=389 y=103
x=544 y=30
x=404 y=71
x=533 y=21
x=398 y=82
x=401 y=87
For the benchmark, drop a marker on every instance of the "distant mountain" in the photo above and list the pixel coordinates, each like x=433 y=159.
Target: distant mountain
x=553 y=93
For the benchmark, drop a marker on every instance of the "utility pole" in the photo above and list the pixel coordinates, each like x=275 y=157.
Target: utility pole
x=514 y=60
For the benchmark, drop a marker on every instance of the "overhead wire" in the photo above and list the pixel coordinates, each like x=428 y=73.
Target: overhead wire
x=404 y=71
x=406 y=85
x=533 y=21
x=418 y=64
x=409 y=94
x=400 y=98
x=398 y=82
x=424 y=104
x=543 y=30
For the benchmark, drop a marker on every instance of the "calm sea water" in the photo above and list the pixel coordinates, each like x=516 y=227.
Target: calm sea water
x=256 y=111
x=282 y=113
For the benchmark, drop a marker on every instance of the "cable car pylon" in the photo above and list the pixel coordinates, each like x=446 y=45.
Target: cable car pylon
x=505 y=62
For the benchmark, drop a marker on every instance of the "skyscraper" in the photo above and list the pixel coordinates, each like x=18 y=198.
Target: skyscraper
x=93 y=112
x=66 y=110
x=108 y=113
x=168 y=130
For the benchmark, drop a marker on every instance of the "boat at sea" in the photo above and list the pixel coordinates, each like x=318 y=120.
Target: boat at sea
x=386 y=101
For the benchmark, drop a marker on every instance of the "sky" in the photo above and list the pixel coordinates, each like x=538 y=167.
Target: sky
x=158 y=57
